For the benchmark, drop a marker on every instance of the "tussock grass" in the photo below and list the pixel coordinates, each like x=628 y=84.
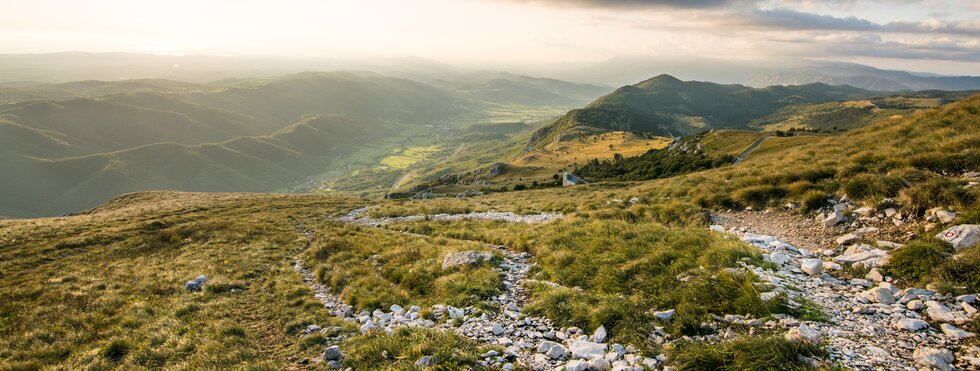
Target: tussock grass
x=744 y=353
x=400 y=350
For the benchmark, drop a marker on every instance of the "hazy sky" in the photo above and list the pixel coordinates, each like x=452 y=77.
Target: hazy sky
x=926 y=35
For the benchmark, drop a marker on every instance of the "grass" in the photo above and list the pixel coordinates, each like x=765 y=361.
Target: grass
x=615 y=273
x=373 y=269
x=401 y=349
x=932 y=263
x=744 y=353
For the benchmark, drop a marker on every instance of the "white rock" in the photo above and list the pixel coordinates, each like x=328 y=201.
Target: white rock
x=665 y=315
x=879 y=295
x=833 y=219
x=803 y=333
x=599 y=364
x=955 y=333
x=915 y=305
x=861 y=282
x=939 y=359
x=848 y=239
x=425 y=361
x=717 y=228
x=577 y=365
x=557 y=352
x=779 y=258
x=945 y=216
x=962 y=236
x=465 y=258
x=864 y=211
x=813 y=267
x=874 y=275
x=939 y=312
x=587 y=349
x=497 y=329
x=911 y=324
x=600 y=334
x=332 y=353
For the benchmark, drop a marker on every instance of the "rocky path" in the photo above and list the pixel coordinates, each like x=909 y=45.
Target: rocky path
x=872 y=324
x=528 y=342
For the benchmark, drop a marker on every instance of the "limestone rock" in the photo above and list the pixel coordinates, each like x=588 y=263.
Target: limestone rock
x=665 y=315
x=962 y=236
x=813 y=267
x=196 y=284
x=332 y=353
x=955 y=333
x=465 y=258
x=600 y=334
x=911 y=324
x=804 y=333
x=939 y=359
x=587 y=350
x=848 y=239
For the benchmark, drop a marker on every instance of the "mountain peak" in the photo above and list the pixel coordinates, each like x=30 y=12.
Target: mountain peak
x=659 y=80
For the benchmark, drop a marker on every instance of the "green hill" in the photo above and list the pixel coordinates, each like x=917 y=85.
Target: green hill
x=667 y=106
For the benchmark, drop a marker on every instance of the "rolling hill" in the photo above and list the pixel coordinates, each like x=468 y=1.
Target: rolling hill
x=667 y=106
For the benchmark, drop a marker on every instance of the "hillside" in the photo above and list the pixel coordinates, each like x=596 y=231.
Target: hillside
x=666 y=106
x=616 y=264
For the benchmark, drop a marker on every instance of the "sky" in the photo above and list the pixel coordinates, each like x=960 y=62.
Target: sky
x=917 y=35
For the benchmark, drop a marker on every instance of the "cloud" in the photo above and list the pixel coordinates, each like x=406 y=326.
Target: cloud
x=781 y=18
x=653 y=4
x=871 y=45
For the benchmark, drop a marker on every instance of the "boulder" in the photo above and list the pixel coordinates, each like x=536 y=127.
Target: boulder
x=813 y=267
x=935 y=358
x=911 y=324
x=577 y=365
x=945 y=216
x=587 y=350
x=332 y=353
x=879 y=295
x=803 y=333
x=962 y=236
x=665 y=315
x=779 y=258
x=497 y=329
x=600 y=334
x=941 y=313
x=717 y=228
x=874 y=275
x=599 y=364
x=465 y=258
x=196 y=284
x=833 y=219
x=557 y=352
x=955 y=333
x=848 y=239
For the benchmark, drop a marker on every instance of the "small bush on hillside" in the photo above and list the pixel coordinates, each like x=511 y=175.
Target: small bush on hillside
x=813 y=200
x=914 y=264
x=872 y=186
x=938 y=191
x=116 y=350
x=745 y=353
x=759 y=195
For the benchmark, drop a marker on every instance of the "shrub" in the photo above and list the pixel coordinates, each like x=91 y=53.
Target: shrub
x=116 y=350
x=914 y=263
x=378 y=350
x=759 y=195
x=938 y=191
x=745 y=353
x=813 y=200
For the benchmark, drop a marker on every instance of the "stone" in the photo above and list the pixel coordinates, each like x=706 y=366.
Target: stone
x=939 y=312
x=600 y=334
x=395 y=308
x=367 y=326
x=665 y=315
x=332 y=353
x=879 y=295
x=911 y=324
x=196 y=284
x=717 y=228
x=962 y=236
x=497 y=329
x=426 y=361
x=833 y=219
x=465 y=258
x=599 y=364
x=813 y=267
x=972 y=298
x=936 y=358
x=779 y=258
x=945 y=216
x=861 y=282
x=803 y=333
x=955 y=333
x=848 y=239
x=864 y=211
x=587 y=350
x=915 y=305
x=577 y=365
x=557 y=352
x=455 y=313
x=874 y=275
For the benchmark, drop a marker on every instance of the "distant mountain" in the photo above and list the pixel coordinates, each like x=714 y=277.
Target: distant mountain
x=866 y=77
x=668 y=106
x=36 y=186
